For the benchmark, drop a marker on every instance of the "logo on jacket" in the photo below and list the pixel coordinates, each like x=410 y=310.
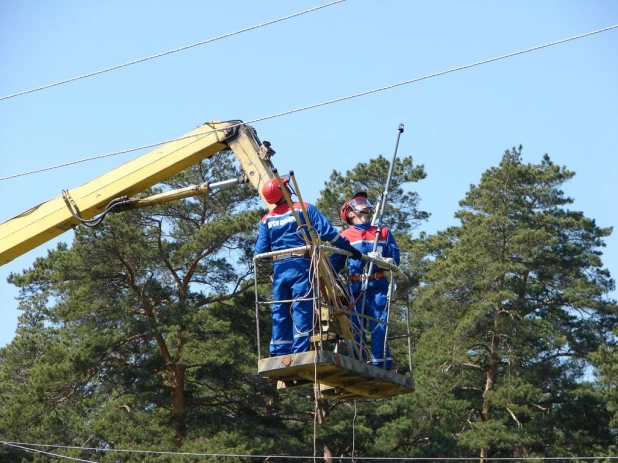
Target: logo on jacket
x=280 y=222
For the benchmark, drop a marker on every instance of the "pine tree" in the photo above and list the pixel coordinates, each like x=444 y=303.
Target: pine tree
x=605 y=360
x=514 y=301
x=142 y=334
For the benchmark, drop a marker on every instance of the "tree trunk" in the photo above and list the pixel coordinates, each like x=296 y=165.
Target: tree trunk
x=177 y=384
x=175 y=373
x=328 y=455
x=321 y=409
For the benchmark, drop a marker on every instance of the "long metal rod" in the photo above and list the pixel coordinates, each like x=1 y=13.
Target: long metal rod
x=365 y=280
x=282 y=252
x=288 y=199
x=409 y=333
x=302 y=208
x=389 y=298
x=257 y=308
x=181 y=193
x=384 y=198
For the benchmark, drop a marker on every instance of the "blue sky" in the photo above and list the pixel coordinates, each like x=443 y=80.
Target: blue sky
x=561 y=100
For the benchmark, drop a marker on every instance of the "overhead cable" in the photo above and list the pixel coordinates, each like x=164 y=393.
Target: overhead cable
x=130 y=63
x=292 y=457
x=42 y=452
x=316 y=105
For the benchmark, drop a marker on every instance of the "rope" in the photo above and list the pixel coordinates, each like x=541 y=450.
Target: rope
x=314 y=272
x=354 y=432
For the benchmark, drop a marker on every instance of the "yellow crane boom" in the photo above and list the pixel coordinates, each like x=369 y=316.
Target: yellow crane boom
x=52 y=218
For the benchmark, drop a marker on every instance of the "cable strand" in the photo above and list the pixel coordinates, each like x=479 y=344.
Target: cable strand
x=290 y=457
x=316 y=105
x=169 y=52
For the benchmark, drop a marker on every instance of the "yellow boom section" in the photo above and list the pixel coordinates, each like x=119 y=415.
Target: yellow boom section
x=52 y=218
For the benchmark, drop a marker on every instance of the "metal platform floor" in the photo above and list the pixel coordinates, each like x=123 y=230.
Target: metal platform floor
x=339 y=376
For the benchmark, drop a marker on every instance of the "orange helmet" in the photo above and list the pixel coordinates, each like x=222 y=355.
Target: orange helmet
x=271 y=190
x=358 y=202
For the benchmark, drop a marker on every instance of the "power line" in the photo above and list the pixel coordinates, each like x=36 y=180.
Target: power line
x=28 y=447
x=42 y=452
x=130 y=63
x=429 y=76
x=316 y=105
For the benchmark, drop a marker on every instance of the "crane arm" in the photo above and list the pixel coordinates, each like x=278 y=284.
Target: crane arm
x=52 y=218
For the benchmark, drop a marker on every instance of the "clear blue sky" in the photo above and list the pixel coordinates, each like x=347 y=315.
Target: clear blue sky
x=562 y=100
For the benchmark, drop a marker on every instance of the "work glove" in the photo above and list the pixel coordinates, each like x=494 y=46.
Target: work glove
x=377 y=256
x=356 y=254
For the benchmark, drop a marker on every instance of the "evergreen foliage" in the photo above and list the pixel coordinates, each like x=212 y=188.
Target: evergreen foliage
x=142 y=334
x=401 y=213
x=513 y=303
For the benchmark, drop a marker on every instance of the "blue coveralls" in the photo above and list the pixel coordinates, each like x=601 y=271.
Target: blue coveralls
x=362 y=237
x=292 y=321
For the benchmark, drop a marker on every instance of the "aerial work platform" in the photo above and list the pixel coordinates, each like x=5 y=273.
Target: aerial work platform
x=335 y=366
x=339 y=376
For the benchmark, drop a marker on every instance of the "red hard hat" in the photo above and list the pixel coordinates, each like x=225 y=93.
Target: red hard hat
x=271 y=190
x=358 y=202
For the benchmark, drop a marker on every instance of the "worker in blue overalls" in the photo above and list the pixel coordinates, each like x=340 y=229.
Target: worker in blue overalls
x=374 y=303
x=292 y=311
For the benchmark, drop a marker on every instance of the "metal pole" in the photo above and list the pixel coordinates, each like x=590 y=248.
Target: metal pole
x=367 y=274
x=391 y=291
x=257 y=308
x=288 y=199
x=384 y=197
x=303 y=209
x=409 y=333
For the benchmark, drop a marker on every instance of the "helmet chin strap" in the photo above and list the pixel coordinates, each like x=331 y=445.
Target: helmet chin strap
x=364 y=219
x=360 y=218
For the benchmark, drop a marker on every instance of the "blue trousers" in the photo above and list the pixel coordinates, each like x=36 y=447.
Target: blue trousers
x=292 y=321
x=375 y=306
